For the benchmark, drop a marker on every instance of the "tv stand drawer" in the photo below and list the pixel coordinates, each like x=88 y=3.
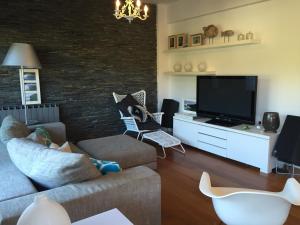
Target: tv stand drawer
x=212 y=140
x=209 y=147
x=214 y=132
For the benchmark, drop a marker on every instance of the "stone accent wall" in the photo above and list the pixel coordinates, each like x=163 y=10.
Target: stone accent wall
x=86 y=54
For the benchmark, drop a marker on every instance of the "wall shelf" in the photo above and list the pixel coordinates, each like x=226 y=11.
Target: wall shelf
x=190 y=73
x=214 y=46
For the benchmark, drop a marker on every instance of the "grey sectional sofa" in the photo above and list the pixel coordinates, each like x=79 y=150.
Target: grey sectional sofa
x=135 y=191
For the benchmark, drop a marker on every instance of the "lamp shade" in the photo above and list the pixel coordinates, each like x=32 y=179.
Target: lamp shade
x=21 y=55
x=44 y=211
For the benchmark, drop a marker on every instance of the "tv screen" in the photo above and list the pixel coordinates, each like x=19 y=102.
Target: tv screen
x=229 y=97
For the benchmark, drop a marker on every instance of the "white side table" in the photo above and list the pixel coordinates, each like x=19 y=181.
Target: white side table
x=165 y=140
x=111 y=217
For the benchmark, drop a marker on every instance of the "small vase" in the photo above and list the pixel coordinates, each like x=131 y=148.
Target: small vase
x=44 y=211
x=271 y=121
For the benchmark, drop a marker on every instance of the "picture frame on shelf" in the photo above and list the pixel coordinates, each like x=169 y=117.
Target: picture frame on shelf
x=189 y=106
x=172 y=42
x=182 y=40
x=30 y=86
x=196 y=39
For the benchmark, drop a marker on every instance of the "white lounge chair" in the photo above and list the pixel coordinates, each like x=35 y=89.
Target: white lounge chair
x=238 y=206
x=130 y=122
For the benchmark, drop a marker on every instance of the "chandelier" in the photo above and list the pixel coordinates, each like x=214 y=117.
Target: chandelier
x=130 y=11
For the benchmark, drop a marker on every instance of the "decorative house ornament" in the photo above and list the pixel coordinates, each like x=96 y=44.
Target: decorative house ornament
x=241 y=37
x=130 y=10
x=249 y=36
x=44 y=211
x=177 y=67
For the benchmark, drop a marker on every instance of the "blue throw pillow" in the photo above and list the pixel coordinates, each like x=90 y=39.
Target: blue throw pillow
x=106 y=167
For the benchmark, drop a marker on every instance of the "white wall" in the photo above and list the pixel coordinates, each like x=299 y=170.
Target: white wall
x=196 y=8
x=162 y=45
x=276 y=61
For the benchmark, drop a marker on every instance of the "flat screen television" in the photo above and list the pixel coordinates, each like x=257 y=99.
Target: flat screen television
x=228 y=100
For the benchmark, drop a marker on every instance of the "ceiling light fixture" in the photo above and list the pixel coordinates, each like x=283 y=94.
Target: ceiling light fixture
x=130 y=10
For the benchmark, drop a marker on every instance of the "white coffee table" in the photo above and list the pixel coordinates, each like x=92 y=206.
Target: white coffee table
x=111 y=217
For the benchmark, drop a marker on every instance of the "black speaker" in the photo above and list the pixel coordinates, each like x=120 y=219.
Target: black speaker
x=169 y=107
x=287 y=147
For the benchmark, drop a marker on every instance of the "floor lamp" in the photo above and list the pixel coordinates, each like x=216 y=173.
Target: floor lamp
x=22 y=55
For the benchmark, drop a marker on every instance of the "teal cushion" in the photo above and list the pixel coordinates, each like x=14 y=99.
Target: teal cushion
x=106 y=167
x=12 y=128
x=41 y=136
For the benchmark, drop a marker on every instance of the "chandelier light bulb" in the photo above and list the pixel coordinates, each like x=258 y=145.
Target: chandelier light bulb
x=118 y=3
x=138 y=3
x=146 y=9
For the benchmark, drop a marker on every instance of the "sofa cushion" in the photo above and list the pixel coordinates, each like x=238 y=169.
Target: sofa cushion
x=125 y=150
x=13 y=183
x=47 y=167
x=12 y=128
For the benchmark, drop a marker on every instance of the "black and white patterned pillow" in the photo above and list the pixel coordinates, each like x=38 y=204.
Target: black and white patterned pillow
x=126 y=103
x=140 y=113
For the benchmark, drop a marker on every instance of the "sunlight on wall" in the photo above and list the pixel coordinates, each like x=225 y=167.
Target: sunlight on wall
x=276 y=61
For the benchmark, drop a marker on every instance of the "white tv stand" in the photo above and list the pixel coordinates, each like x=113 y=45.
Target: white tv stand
x=252 y=146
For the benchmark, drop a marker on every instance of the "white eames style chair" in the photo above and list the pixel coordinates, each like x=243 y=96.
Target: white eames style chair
x=238 y=206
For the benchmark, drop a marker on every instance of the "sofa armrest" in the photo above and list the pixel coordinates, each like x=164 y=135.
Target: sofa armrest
x=135 y=192
x=57 y=131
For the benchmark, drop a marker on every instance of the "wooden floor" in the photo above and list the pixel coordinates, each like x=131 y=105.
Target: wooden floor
x=182 y=202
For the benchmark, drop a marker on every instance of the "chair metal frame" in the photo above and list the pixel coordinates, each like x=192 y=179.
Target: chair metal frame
x=130 y=122
x=290 y=173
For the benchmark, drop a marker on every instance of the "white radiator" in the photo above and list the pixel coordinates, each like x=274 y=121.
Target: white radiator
x=44 y=113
